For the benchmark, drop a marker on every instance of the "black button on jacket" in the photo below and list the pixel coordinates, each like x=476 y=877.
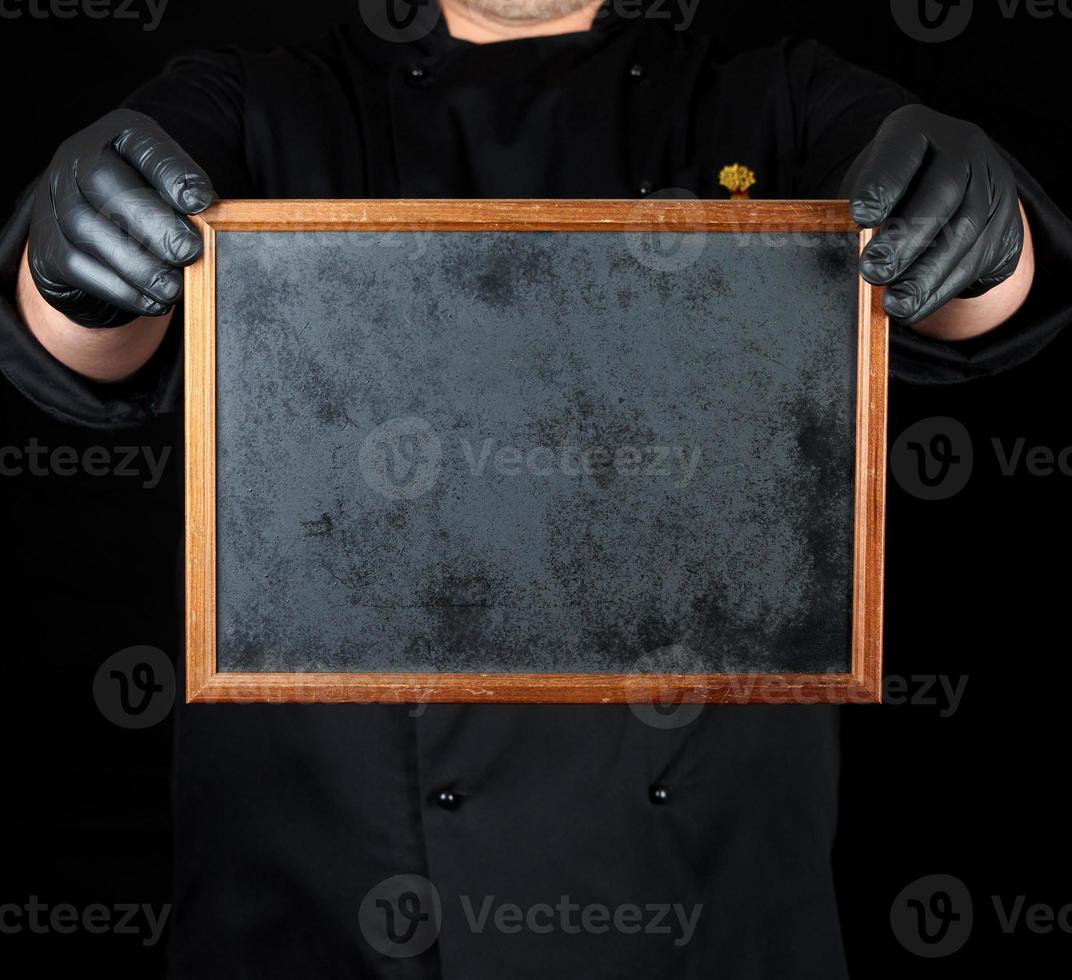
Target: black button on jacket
x=290 y=818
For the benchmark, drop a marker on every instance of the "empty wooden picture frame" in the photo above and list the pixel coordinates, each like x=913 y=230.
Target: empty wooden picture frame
x=533 y=451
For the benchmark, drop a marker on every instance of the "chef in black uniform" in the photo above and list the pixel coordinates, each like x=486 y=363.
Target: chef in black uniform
x=293 y=823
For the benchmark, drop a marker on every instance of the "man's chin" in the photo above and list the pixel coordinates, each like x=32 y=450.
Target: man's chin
x=525 y=10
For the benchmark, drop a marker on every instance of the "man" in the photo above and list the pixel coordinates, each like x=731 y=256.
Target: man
x=291 y=823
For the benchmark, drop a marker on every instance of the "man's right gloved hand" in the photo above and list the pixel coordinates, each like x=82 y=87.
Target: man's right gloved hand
x=108 y=236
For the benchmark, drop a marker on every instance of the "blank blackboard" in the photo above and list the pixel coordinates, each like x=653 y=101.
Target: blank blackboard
x=510 y=451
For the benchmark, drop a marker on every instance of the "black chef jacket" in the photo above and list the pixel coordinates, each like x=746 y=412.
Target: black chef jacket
x=288 y=817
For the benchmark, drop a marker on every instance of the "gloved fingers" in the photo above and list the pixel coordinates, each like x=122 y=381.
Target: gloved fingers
x=886 y=170
x=121 y=195
x=164 y=164
x=80 y=307
x=1006 y=245
x=938 y=276
x=89 y=231
x=924 y=221
x=65 y=276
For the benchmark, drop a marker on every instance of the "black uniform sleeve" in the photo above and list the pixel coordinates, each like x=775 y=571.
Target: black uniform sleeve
x=839 y=110
x=197 y=99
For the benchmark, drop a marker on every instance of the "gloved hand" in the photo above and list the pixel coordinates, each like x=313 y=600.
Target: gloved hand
x=107 y=236
x=946 y=204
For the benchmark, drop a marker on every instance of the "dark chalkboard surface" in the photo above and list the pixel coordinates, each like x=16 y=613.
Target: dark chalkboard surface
x=548 y=448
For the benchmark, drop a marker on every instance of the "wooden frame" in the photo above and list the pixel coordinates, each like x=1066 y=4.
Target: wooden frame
x=205 y=684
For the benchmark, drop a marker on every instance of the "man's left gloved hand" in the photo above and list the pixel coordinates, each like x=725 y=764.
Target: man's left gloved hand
x=945 y=202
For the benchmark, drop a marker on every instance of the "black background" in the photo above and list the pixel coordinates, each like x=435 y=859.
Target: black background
x=976 y=585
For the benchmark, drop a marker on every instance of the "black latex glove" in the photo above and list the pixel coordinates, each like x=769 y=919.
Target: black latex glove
x=107 y=237
x=946 y=203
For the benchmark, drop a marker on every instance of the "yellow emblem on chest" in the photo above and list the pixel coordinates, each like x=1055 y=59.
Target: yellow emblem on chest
x=737 y=178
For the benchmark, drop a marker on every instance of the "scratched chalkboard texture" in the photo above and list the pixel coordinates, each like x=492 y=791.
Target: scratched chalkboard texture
x=535 y=452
